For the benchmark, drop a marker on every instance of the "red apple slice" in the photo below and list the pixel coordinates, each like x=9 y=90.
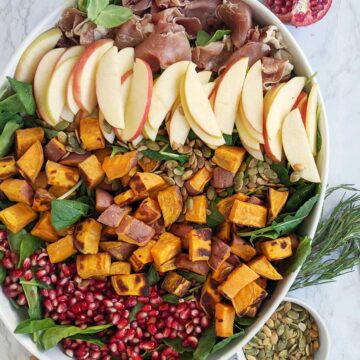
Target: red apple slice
x=138 y=102
x=297 y=148
x=70 y=100
x=71 y=52
x=84 y=87
x=228 y=93
x=30 y=59
x=311 y=118
x=106 y=128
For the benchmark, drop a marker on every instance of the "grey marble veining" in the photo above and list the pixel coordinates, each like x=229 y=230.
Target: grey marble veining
x=333 y=48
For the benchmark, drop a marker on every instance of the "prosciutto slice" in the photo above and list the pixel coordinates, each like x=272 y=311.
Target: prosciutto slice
x=204 y=10
x=69 y=20
x=274 y=71
x=164 y=4
x=138 y=6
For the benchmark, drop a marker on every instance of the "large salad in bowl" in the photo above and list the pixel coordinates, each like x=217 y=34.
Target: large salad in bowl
x=157 y=159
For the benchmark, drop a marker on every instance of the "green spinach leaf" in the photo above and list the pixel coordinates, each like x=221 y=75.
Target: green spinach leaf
x=302 y=193
x=282 y=173
x=203 y=38
x=176 y=345
x=302 y=252
x=134 y=311
x=31 y=326
x=50 y=133
x=244 y=320
x=82 y=5
x=215 y=218
x=15 y=240
x=29 y=244
x=221 y=344
x=153 y=276
x=188 y=275
x=165 y=155
x=12 y=104
x=89 y=338
x=95 y=7
x=171 y=299
x=32 y=295
x=8 y=134
x=113 y=15
x=206 y=343
x=2 y=274
x=24 y=92
x=117 y=149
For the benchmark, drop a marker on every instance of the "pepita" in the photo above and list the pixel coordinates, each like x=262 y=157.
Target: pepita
x=293 y=314
x=187 y=175
x=210 y=193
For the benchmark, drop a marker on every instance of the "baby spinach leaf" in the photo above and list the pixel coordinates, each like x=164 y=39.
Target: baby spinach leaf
x=113 y=15
x=50 y=133
x=67 y=212
x=165 y=155
x=203 y=38
x=215 y=218
x=162 y=138
x=206 y=343
x=282 y=173
x=135 y=310
x=153 y=276
x=94 y=8
x=221 y=344
x=117 y=149
x=171 y=299
x=32 y=295
x=188 y=275
x=244 y=320
x=15 y=240
x=82 y=5
x=89 y=338
x=31 y=326
x=24 y=92
x=2 y=274
x=8 y=134
x=301 y=254
x=302 y=193
x=176 y=345
x=12 y=104
x=28 y=245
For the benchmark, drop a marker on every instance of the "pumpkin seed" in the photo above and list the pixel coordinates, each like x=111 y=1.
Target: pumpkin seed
x=281 y=345
x=252 y=171
x=62 y=137
x=281 y=330
x=198 y=143
x=261 y=354
x=210 y=193
x=206 y=152
x=302 y=326
x=266 y=331
x=198 y=152
x=295 y=177
x=252 y=351
x=169 y=180
x=271 y=174
x=179 y=181
x=261 y=335
x=270 y=323
x=283 y=354
x=170 y=164
x=293 y=349
x=250 y=357
x=178 y=171
x=190 y=203
x=293 y=314
x=152 y=145
x=253 y=163
x=274 y=338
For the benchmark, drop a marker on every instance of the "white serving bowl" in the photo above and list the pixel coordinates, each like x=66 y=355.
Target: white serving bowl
x=264 y=17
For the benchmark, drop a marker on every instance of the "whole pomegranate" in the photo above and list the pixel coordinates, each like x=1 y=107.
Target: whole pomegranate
x=299 y=12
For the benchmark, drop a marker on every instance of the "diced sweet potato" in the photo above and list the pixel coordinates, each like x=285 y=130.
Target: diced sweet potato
x=166 y=266
x=200 y=244
x=276 y=202
x=101 y=154
x=171 y=203
x=61 y=250
x=127 y=197
x=233 y=260
x=222 y=272
x=249 y=295
x=40 y=181
x=247 y=214
x=261 y=282
x=196 y=213
x=57 y=191
x=224 y=206
x=251 y=311
x=91 y=135
x=103 y=200
x=17 y=216
x=143 y=253
x=42 y=200
x=224 y=320
x=167 y=247
x=125 y=180
x=134 y=231
x=229 y=157
x=148 y=211
x=119 y=165
x=238 y=278
x=120 y=268
x=31 y=162
x=262 y=266
x=87 y=236
x=93 y=265
x=119 y=250
x=148 y=165
x=133 y=284
x=224 y=231
x=182 y=230
x=142 y=183
x=54 y=150
x=108 y=234
x=198 y=267
x=91 y=172
x=197 y=183
x=44 y=230
x=277 y=249
x=175 y=284
x=294 y=241
x=17 y=190
x=24 y=138
x=7 y=167
x=219 y=253
x=61 y=175
x=210 y=296
x=113 y=215
x=242 y=248
x=74 y=159
x=222 y=178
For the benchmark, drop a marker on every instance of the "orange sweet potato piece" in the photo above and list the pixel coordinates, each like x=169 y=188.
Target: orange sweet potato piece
x=143 y=253
x=200 y=244
x=119 y=250
x=24 y=138
x=54 y=150
x=120 y=268
x=91 y=135
x=31 y=162
x=182 y=230
x=276 y=202
x=148 y=165
x=167 y=247
x=166 y=266
x=224 y=320
x=40 y=181
x=222 y=272
x=127 y=197
x=242 y=248
x=91 y=171
x=7 y=167
x=175 y=284
x=103 y=200
x=171 y=203
x=119 y=165
x=198 y=267
x=61 y=175
x=61 y=250
x=247 y=214
x=197 y=183
x=229 y=157
x=93 y=265
x=108 y=234
x=101 y=154
x=17 y=190
x=196 y=213
x=42 y=200
x=74 y=159
x=113 y=215
x=57 y=191
x=133 y=284
x=261 y=282
x=219 y=253
x=224 y=231
x=277 y=249
x=17 y=216
x=262 y=266
x=210 y=296
x=44 y=230
x=142 y=183
x=87 y=236
x=224 y=205
x=148 y=211
x=125 y=180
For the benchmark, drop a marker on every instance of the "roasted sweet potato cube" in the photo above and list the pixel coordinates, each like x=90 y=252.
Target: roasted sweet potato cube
x=133 y=284
x=247 y=214
x=103 y=200
x=93 y=265
x=148 y=165
x=242 y=248
x=134 y=231
x=44 y=230
x=57 y=191
x=219 y=253
x=54 y=150
x=61 y=175
x=119 y=250
x=224 y=320
x=91 y=172
x=224 y=205
x=17 y=190
x=166 y=266
x=198 y=267
x=113 y=215
x=61 y=250
x=175 y=284
x=91 y=135
x=262 y=266
x=200 y=244
x=277 y=249
x=74 y=159
x=276 y=202
x=237 y=279
x=248 y=296
x=40 y=181
x=127 y=197
x=182 y=230
x=136 y=264
x=144 y=183
x=17 y=216
x=196 y=212
x=210 y=296
x=101 y=154
x=196 y=184
x=24 y=138
x=148 y=211
x=294 y=241
x=42 y=200
x=229 y=157
x=87 y=236
x=143 y=253
x=119 y=165
x=125 y=180
x=31 y=162
x=222 y=272
x=224 y=231
x=261 y=282
x=167 y=247
x=250 y=311
x=234 y=260
x=7 y=167
x=120 y=268
x=171 y=203
x=108 y=234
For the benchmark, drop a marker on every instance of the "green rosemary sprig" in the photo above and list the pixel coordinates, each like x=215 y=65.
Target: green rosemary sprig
x=336 y=245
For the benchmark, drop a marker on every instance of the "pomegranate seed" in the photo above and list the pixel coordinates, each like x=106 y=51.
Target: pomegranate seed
x=21 y=300
x=152 y=329
x=7 y=263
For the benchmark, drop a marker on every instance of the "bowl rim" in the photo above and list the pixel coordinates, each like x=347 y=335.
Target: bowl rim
x=235 y=347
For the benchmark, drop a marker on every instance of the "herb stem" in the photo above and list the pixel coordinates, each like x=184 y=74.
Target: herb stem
x=69 y=192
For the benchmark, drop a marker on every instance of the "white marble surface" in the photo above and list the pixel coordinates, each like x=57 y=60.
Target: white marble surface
x=333 y=47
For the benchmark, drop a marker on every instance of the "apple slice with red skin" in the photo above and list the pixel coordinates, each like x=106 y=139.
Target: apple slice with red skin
x=71 y=52
x=311 y=117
